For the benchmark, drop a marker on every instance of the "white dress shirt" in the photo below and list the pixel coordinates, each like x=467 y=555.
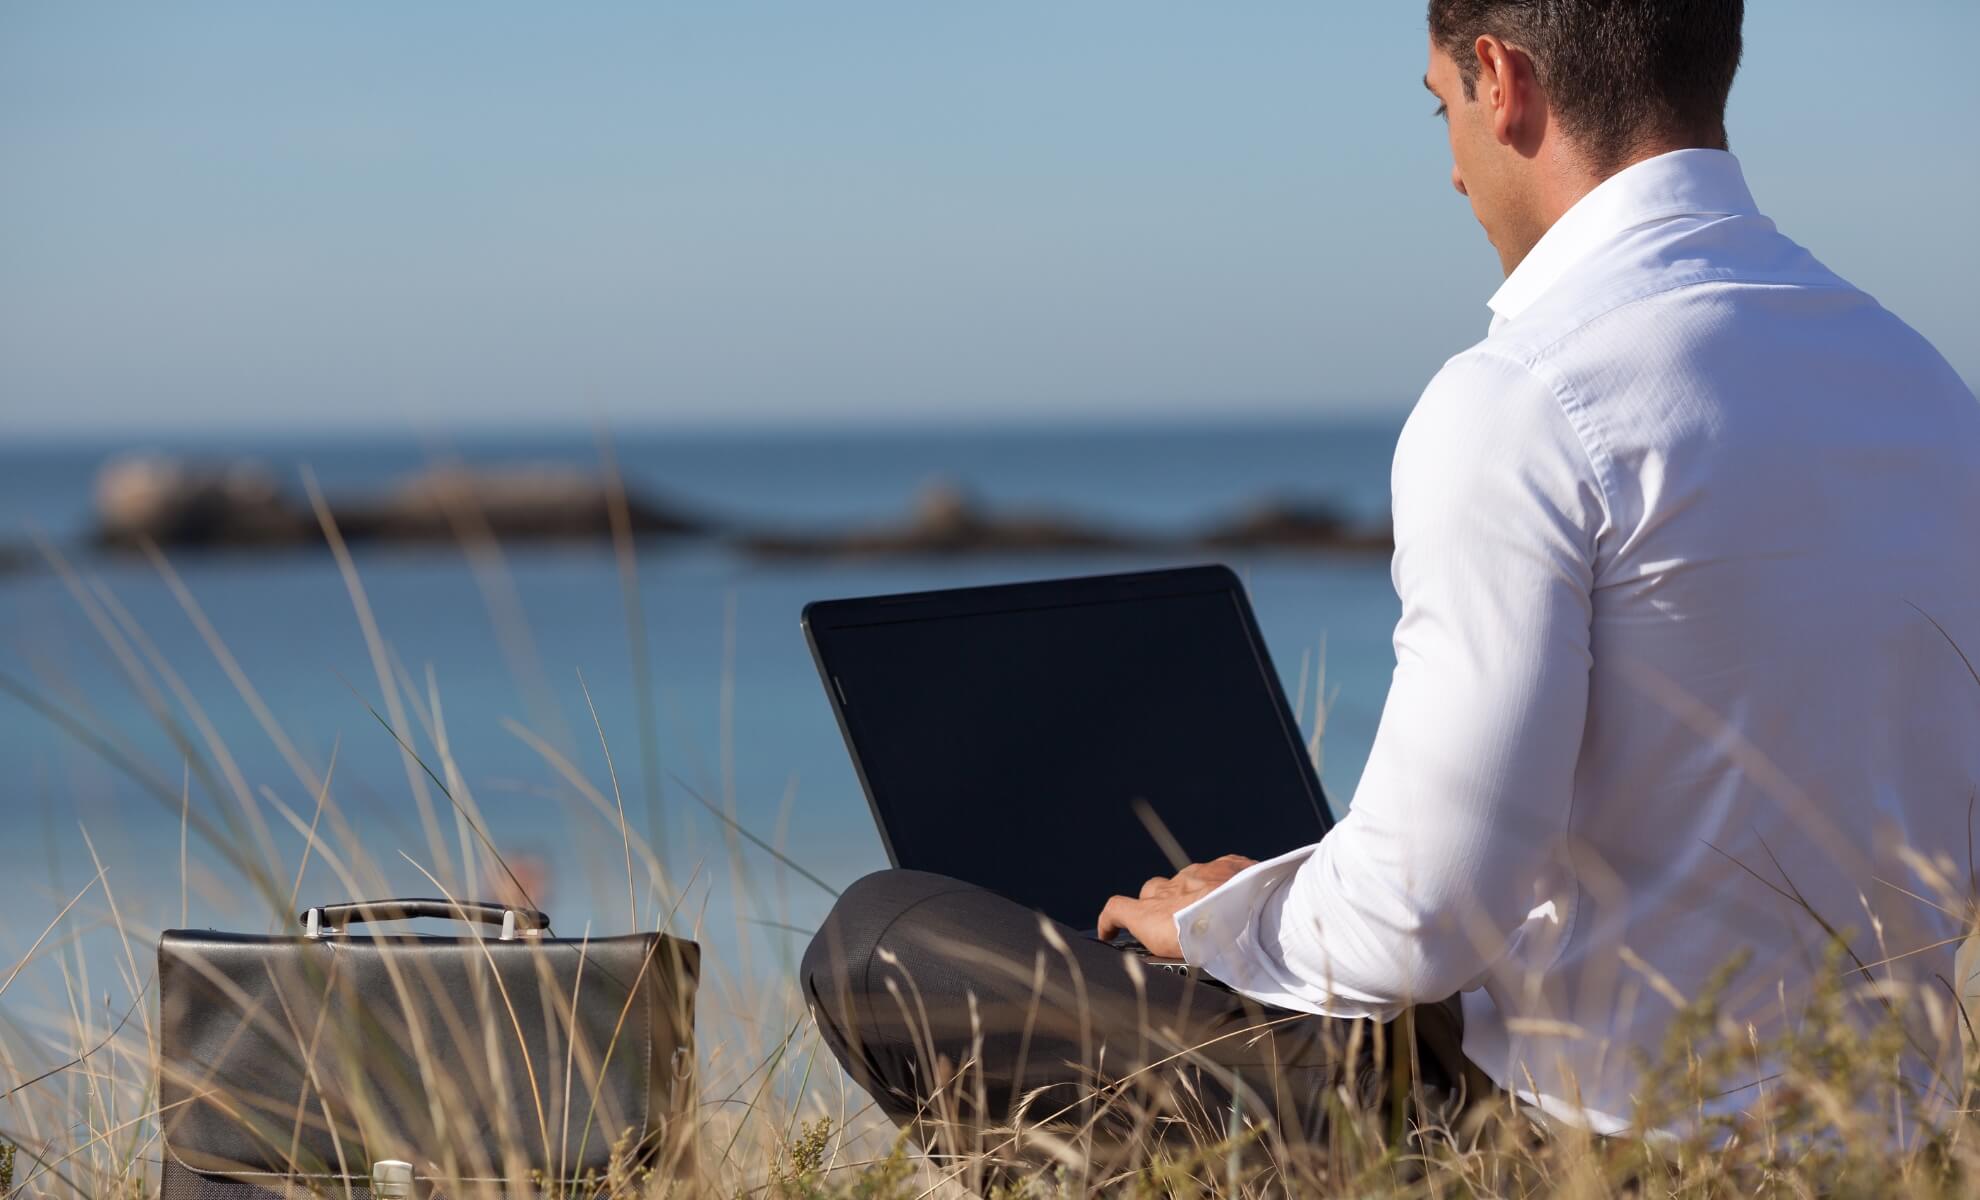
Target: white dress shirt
x=1670 y=543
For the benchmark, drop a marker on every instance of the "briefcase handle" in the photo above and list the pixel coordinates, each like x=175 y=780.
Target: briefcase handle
x=332 y=918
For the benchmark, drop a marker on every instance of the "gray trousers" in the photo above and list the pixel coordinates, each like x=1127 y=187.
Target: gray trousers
x=961 y=1011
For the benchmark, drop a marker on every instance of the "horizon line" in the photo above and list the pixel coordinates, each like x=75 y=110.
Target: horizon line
x=1387 y=412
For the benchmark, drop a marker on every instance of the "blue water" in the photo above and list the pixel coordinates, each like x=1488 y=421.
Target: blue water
x=738 y=715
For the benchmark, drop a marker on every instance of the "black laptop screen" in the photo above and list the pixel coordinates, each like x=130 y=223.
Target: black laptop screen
x=1009 y=748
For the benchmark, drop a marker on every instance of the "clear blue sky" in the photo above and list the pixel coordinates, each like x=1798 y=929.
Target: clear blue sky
x=450 y=215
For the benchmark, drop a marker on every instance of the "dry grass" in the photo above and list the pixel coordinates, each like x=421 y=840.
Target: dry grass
x=1841 y=1121
x=773 y=1117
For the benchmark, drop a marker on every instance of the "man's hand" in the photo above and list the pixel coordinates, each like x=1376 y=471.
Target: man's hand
x=1152 y=917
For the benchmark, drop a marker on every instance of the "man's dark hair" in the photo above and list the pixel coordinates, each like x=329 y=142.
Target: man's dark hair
x=1619 y=74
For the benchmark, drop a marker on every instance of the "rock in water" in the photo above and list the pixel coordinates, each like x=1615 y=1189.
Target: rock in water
x=945 y=520
x=176 y=503
x=525 y=502
x=193 y=505
x=1292 y=525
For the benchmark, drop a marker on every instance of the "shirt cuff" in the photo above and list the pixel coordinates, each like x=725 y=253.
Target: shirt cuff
x=1219 y=931
x=1220 y=935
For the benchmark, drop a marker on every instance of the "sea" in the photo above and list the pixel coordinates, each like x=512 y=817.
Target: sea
x=126 y=730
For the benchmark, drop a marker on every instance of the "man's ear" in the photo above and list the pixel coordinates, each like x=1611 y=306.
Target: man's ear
x=1506 y=87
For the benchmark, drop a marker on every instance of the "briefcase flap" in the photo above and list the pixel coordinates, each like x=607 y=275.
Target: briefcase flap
x=473 y=1057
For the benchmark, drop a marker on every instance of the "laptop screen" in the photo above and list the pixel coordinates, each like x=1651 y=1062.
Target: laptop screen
x=1010 y=744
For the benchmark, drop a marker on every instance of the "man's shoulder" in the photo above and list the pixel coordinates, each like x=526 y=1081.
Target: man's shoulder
x=1489 y=400
x=1672 y=285
x=1489 y=382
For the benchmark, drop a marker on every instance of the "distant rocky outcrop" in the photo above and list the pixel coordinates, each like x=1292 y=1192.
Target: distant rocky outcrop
x=175 y=503
x=1293 y=525
x=179 y=504
x=945 y=520
x=525 y=503
x=190 y=505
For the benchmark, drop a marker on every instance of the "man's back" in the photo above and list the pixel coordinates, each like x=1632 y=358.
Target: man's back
x=1671 y=545
x=1793 y=482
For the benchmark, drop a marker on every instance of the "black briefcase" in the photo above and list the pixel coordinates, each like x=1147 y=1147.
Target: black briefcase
x=501 y=1065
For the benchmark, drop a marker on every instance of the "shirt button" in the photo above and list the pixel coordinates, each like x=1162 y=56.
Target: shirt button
x=1200 y=925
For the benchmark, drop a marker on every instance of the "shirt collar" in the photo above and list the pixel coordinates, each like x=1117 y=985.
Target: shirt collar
x=1679 y=183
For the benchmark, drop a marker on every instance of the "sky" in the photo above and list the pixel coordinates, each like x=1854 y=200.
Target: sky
x=381 y=216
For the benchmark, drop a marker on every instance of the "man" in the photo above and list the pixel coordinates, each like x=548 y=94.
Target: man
x=1686 y=552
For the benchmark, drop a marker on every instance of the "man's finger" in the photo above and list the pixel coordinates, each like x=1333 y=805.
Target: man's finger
x=1155 y=887
x=1113 y=918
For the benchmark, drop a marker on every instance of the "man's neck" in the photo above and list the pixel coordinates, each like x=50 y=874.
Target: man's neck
x=1562 y=175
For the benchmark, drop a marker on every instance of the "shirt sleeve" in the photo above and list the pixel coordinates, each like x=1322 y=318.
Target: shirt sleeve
x=1466 y=798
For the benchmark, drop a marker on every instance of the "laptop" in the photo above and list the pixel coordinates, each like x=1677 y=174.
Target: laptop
x=1062 y=741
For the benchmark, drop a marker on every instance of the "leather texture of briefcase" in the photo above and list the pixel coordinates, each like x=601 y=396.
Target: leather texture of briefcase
x=495 y=1065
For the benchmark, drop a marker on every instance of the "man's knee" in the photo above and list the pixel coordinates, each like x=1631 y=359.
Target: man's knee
x=837 y=964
